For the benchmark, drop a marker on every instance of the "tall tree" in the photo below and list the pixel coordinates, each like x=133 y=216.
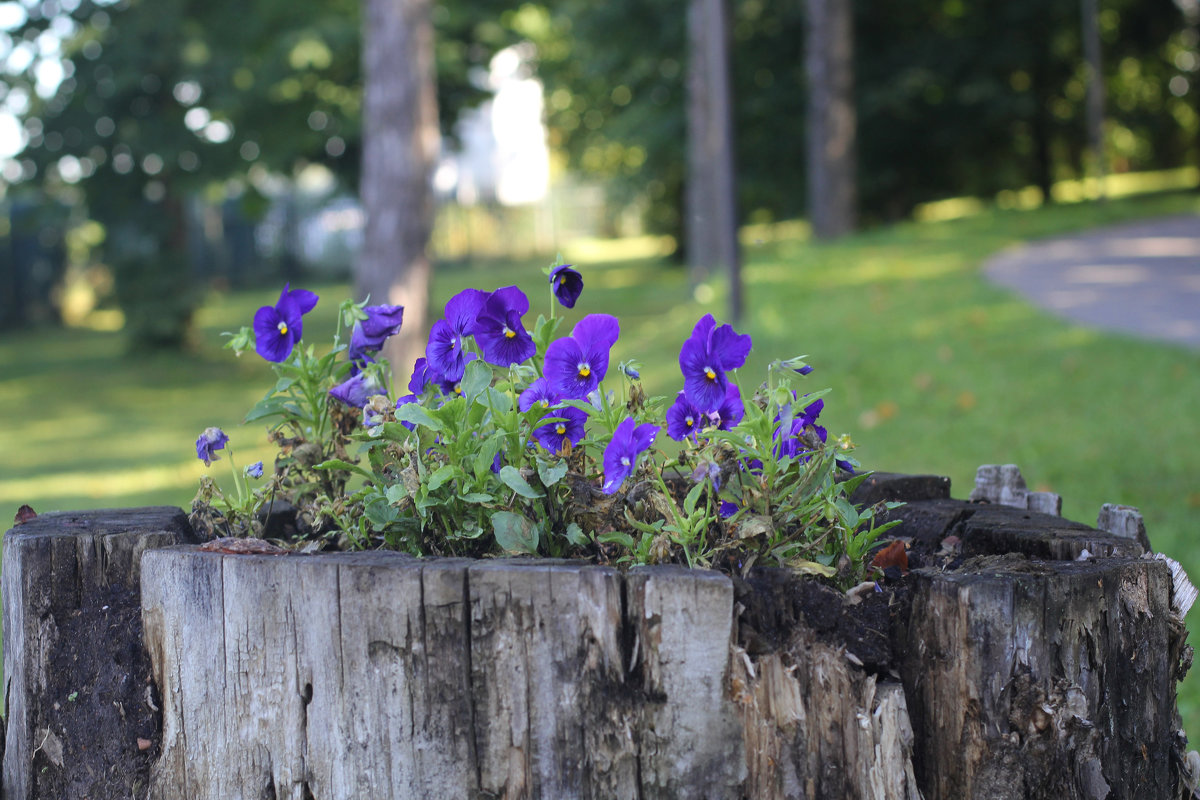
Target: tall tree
x=832 y=120
x=712 y=224
x=400 y=145
x=1090 y=16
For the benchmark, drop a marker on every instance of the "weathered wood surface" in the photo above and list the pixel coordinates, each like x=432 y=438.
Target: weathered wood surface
x=1025 y=656
x=385 y=677
x=1045 y=664
x=1044 y=679
x=76 y=677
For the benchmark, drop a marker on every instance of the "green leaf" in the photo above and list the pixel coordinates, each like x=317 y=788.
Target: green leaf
x=514 y=480
x=551 y=473
x=515 y=533
x=337 y=463
x=440 y=476
x=416 y=414
x=477 y=497
x=486 y=456
x=380 y=513
x=267 y=407
x=693 y=497
x=476 y=379
x=500 y=401
x=847 y=513
x=395 y=493
x=618 y=537
x=575 y=535
x=544 y=330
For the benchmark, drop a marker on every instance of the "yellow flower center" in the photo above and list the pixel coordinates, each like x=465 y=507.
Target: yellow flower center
x=562 y=279
x=708 y=373
x=584 y=370
x=508 y=334
x=458 y=388
x=560 y=429
x=544 y=403
x=283 y=327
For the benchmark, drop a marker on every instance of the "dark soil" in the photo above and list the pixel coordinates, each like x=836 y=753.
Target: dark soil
x=104 y=689
x=773 y=603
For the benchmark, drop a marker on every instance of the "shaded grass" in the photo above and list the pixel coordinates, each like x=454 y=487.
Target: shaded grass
x=933 y=370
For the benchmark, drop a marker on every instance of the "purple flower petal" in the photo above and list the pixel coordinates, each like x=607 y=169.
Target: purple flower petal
x=356 y=390
x=208 y=442
x=278 y=328
x=463 y=309
x=369 y=334
x=538 y=393
x=729 y=348
x=499 y=331
x=575 y=365
x=683 y=419
x=731 y=410
x=420 y=377
x=444 y=353
x=568 y=426
x=620 y=457
x=567 y=284
x=704 y=381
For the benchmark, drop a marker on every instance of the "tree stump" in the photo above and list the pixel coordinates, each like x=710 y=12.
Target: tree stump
x=77 y=691
x=1023 y=656
x=375 y=675
x=1044 y=679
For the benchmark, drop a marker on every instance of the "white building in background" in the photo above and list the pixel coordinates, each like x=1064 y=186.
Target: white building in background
x=503 y=156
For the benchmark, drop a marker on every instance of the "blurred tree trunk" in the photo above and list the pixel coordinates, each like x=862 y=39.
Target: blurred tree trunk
x=400 y=145
x=832 y=122
x=1043 y=93
x=712 y=224
x=1090 y=13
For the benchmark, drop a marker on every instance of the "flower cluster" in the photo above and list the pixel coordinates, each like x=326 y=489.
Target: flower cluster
x=509 y=429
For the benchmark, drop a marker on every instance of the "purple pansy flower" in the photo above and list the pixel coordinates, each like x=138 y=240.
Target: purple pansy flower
x=567 y=427
x=705 y=357
x=538 y=393
x=208 y=443
x=357 y=389
x=727 y=509
x=277 y=328
x=445 y=352
x=369 y=334
x=450 y=385
x=576 y=364
x=255 y=470
x=620 y=457
x=420 y=376
x=499 y=331
x=567 y=284
x=731 y=410
x=683 y=418
x=790 y=443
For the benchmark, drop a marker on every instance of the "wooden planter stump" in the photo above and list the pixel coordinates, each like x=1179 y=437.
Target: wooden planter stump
x=75 y=671
x=1024 y=656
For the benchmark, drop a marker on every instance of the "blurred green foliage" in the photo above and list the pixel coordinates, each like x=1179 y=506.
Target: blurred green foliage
x=163 y=100
x=166 y=100
x=953 y=98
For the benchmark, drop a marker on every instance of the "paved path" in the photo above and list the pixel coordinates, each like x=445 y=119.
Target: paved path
x=1140 y=278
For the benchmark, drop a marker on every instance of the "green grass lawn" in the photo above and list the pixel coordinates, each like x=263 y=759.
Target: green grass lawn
x=932 y=371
